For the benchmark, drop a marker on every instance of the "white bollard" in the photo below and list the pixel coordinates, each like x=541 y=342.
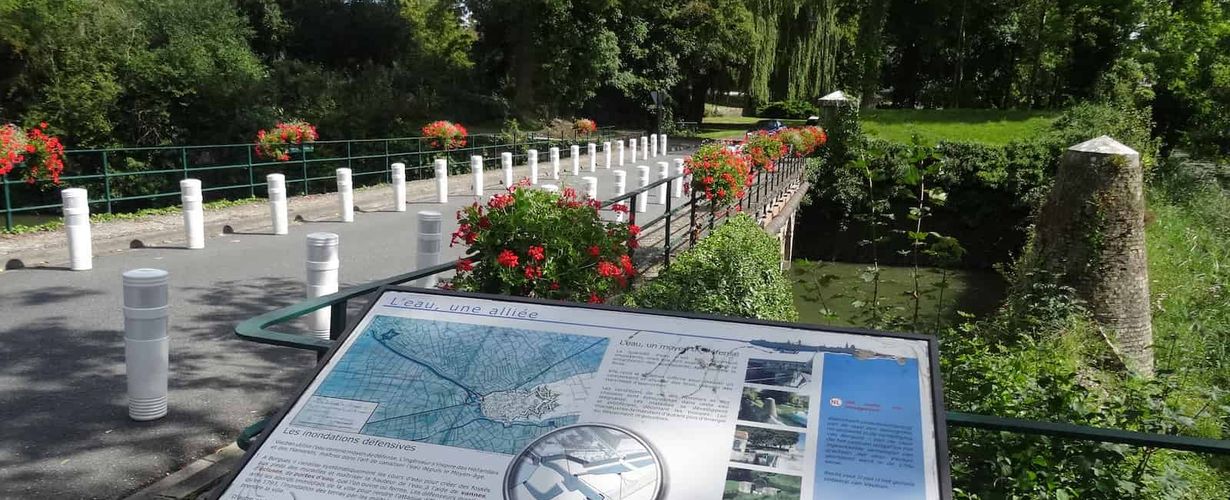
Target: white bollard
x=476 y=167
x=442 y=180
x=146 y=344
x=507 y=164
x=621 y=187
x=430 y=223
x=575 y=153
x=642 y=200
x=345 y=194
x=399 y=186
x=531 y=157
x=554 y=152
x=592 y=149
x=77 y=224
x=662 y=143
x=653 y=145
x=277 y=203
x=619 y=151
x=550 y=188
x=663 y=190
x=194 y=213
x=322 y=270
x=591 y=187
x=644 y=148
x=678 y=182
x=606 y=152
x=632 y=147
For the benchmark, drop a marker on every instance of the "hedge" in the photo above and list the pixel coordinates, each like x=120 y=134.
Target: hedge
x=735 y=271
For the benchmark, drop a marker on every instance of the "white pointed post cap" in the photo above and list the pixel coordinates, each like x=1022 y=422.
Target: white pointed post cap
x=1104 y=145
x=836 y=96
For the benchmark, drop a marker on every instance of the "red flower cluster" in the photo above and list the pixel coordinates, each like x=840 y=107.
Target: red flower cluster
x=275 y=144
x=803 y=141
x=585 y=126
x=764 y=149
x=719 y=173
x=445 y=135
x=43 y=154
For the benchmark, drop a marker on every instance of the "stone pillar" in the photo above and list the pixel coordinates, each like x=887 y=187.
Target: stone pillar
x=1091 y=235
x=831 y=107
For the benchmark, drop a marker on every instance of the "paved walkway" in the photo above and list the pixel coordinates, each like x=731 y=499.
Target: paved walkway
x=66 y=432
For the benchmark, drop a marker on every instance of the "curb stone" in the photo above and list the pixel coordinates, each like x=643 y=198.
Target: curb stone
x=194 y=479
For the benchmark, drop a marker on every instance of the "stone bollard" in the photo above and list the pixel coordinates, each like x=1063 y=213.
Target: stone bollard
x=531 y=157
x=550 y=188
x=592 y=149
x=322 y=270
x=399 y=186
x=77 y=224
x=619 y=152
x=644 y=148
x=476 y=168
x=591 y=187
x=632 y=149
x=606 y=152
x=663 y=190
x=677 y=184
x=575 y=153
x=146 y=344
x=442 y=180
x=194 y=213
x=642 y=200
x=277 y=203
x=345 y=194
x=621 y=187
x=653 y=145
x=506 y=162
x=662 y=143
x=554 y=153
x=429 y=236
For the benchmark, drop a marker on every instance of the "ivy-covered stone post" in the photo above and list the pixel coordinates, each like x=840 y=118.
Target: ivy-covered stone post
x=831 y=107
x=1091 y=234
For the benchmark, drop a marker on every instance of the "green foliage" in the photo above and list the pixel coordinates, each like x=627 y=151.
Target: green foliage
x=735 y=271
x=787 y=109
x=993 y=127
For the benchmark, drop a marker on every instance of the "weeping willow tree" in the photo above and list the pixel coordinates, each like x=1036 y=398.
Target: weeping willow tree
x=794 y=54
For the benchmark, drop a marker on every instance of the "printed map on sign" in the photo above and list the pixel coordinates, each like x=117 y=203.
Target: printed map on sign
x=471 y=386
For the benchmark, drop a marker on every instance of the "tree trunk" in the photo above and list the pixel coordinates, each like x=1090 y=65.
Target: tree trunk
x=1091 y=233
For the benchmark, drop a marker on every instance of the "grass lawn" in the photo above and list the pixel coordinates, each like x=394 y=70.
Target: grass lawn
x=990 y=126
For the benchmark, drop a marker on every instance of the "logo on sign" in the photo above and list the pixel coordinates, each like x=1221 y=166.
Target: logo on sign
x=835 y=402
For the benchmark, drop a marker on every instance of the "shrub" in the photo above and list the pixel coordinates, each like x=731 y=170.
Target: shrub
x=536 y=243
x=735 y=271
x=276 y=144
x=42 y=154
x=719 y=173
x=786 y=109
x=445 y=135
x=585 y=126
x=764 y=149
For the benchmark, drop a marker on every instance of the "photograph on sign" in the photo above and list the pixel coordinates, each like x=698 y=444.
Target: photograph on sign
x=437 y=395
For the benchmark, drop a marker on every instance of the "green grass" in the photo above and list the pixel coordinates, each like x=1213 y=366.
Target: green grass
x=989 y=126
x=974 y=292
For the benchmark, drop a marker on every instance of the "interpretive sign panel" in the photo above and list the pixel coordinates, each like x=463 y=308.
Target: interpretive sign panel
x=439 y=395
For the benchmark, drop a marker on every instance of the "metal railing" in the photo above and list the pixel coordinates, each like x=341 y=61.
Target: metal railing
x=127 y=179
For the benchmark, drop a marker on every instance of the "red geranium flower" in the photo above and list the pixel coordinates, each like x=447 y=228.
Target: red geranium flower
x=536 y=253
x=507 y=258
x=464 y=265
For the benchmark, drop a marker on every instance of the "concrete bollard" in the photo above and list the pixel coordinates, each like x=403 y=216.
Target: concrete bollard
x=429 y=236
x=399 y=186
x=642 y=200
x=194 y=212
x=345 y=194
x=663 y=190
x=554 y=153
x=531 y=157
x=550 y=188
x=507 y=164
x=632 y=147
x=621 y=187
x=146 y=344
x=476 y=168
x=277 y=203
x=644 y=148
x=575 y=153
x=619 y=152
x=77 y=224
x=592 y=149
x=322 y=270
x=442 y=180
x=662 y=143
x=591 y=187
x=653 y=145
x=606 y=152
x=677 y=184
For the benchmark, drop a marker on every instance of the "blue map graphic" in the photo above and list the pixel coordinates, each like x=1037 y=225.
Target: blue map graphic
x=471 y=386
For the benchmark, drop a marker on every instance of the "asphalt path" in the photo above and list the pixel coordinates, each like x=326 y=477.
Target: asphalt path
x=66 y=431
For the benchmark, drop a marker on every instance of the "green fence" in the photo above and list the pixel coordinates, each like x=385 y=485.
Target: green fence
x=122 y=180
